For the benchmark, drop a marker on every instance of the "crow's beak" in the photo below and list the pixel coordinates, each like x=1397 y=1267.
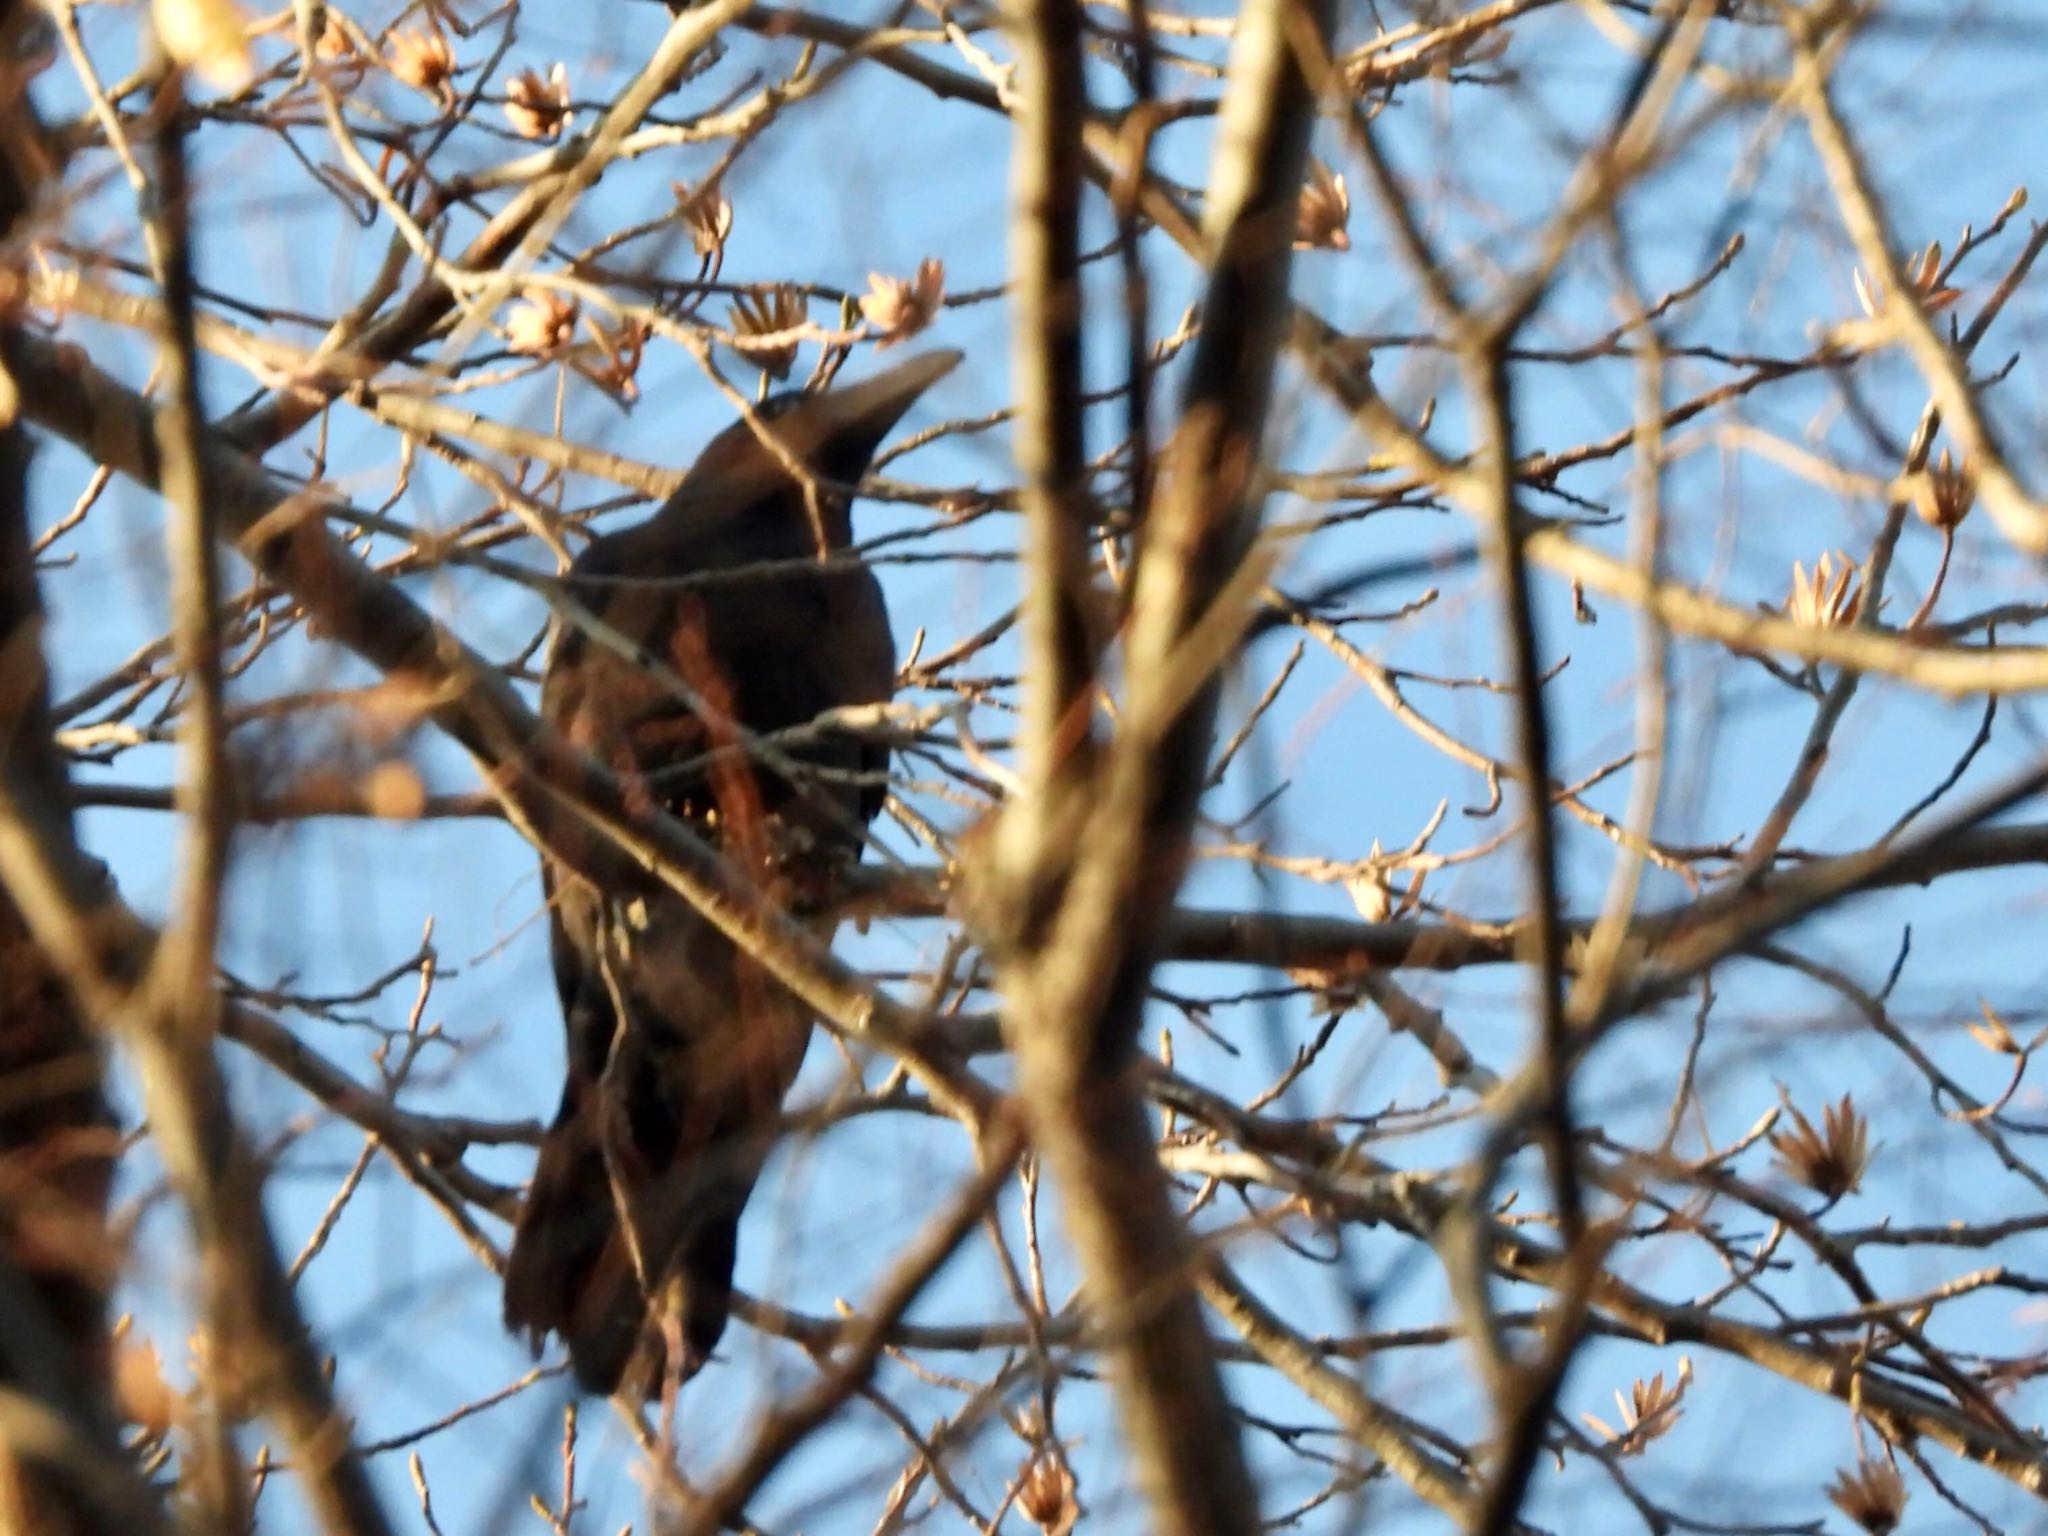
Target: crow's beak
x=834 y=434
x=868 y=410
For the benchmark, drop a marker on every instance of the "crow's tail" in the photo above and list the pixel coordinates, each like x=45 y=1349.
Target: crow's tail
x=573 y=1272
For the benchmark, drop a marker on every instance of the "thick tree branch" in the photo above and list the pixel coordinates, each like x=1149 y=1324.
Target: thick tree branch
x=1076 y=979
x=62 y=1468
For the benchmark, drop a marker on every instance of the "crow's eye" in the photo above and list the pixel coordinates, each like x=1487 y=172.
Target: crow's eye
x=779 y=405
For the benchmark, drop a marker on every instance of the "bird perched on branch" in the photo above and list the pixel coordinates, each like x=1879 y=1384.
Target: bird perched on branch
x=731 y=614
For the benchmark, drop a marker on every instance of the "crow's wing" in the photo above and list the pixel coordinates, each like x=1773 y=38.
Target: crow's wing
x=664 y=1122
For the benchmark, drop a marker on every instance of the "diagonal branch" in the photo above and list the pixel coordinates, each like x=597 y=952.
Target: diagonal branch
x=2021 y=516
x=1373 y=1426
x=560 y=798
x=786 y=1427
